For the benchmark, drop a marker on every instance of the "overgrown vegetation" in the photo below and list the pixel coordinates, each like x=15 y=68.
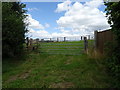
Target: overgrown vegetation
x=113 y=59
x=13 y=28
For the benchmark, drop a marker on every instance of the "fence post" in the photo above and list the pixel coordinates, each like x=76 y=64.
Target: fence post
x=95 y=37
x=57 y=39
x=27 y=42
x=37 y=41
x=81 y=37
x=85 y=44
x=31 y=42
x=64 y=39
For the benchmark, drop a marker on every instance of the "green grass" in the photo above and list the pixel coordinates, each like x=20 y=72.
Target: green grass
x=55 y=71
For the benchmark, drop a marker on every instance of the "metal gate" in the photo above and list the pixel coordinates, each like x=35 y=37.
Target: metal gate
x=65 y=48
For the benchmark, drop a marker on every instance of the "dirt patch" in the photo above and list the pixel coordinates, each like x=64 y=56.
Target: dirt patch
x=62 y=85
x=20 y=76
x=12 y=79
x=24 y=75
x=69 y=60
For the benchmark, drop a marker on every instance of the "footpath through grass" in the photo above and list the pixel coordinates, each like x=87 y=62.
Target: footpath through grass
x=55 y=71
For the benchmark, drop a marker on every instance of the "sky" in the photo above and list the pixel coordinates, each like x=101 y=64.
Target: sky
x=65 y=19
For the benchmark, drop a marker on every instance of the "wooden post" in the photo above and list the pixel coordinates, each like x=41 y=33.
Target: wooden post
x=85 y=44
x=37 y=41
x=95 y=37
x=64 y=39
x=81 y=37
x=27 y=42
x=31 y=42
x=88 y=37
x=57 y=39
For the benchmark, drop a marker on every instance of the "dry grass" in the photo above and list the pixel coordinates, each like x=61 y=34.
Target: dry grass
x=95 y=54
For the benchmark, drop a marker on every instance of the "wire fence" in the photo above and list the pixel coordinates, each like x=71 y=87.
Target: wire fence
x=64 y=46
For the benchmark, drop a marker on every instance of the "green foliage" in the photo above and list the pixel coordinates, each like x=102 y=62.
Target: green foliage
x=113 y=60
x=113 y=14
x=13 y=28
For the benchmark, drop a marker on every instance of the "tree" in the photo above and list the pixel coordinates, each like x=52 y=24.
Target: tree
x=113 y=14
x=13 y=28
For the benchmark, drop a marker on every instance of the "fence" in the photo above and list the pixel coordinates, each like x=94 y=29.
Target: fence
x=101 y=38
x=66 y=48
x=60 y=47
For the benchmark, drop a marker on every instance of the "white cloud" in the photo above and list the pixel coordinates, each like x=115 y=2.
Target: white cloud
x=70 y=32
x=63 y=6
x=94 y=3
x=47 y=25
x=32 y=9
x=31 y=31
x=44 y=34
x=79 y=19
x=84 y=18
x=36 y=30
x=38 y=34
x=34 y=24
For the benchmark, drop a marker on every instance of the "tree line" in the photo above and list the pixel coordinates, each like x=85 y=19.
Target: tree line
x=13 y=28
x=113 y=59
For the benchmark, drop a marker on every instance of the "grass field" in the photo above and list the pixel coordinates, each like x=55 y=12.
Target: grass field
x=37 y=70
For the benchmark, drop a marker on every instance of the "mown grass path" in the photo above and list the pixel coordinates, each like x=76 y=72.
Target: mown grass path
x=55 y=71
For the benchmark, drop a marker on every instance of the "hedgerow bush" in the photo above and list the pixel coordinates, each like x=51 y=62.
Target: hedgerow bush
x=13 y=28
x=113 y=61
x=113 y=49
